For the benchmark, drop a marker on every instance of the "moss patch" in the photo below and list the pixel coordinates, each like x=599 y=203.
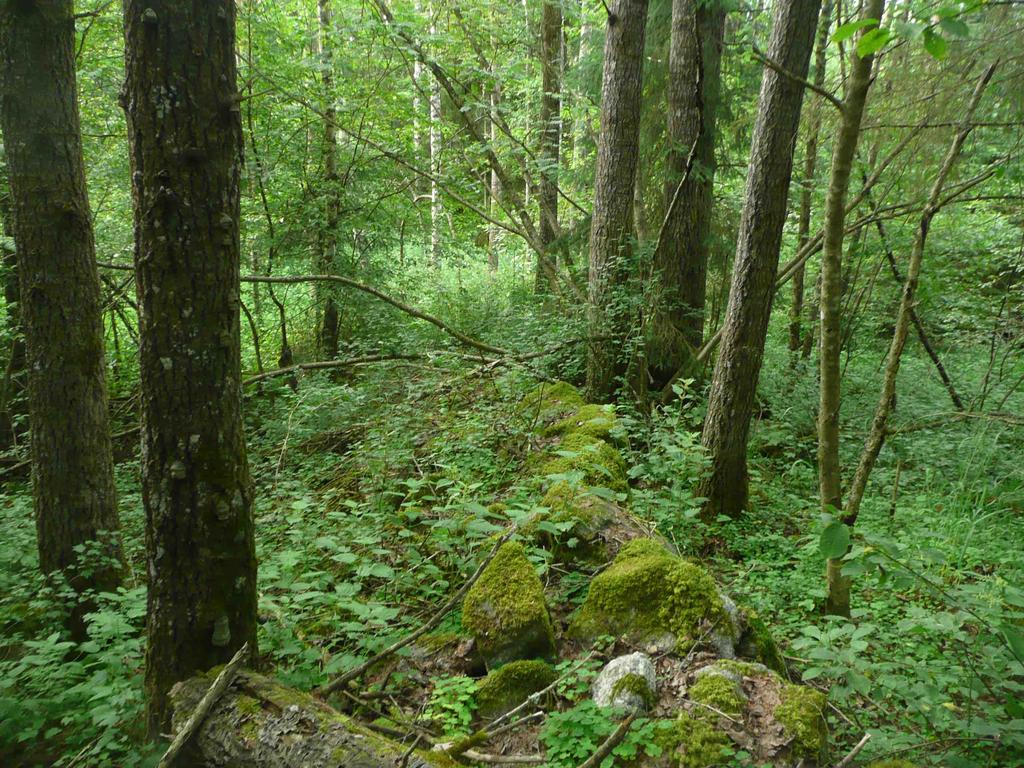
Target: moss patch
x=550 y=403
x=758 y=641
x=802 y=712
x=636 y=685
x=598 y=462
x=506 y=612
x=571 y=528
x=892 y=764
x=591 y=419
x=697 y=741
x=648 y=593
x=508 y=687
x=718 y=691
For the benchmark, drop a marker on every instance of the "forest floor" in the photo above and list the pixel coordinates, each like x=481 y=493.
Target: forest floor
x=374 y=501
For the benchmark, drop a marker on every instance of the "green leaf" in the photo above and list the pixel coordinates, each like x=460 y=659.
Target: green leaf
x=1015 y=640
x=955 y=27
x=935 y=44
x=835 y=540
x=846 y=31
x=873 y=41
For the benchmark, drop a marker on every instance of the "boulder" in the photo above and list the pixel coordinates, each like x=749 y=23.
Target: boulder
x=506 y=612
x=506 y=688
x=627 y=682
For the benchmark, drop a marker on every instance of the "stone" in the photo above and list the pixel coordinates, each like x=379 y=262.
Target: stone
x=627 y=682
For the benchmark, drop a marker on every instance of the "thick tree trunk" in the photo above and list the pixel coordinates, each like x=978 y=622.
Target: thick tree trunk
x=185 y=136
x=12 y=401
x=72 y=467
x=328 y=336
x=807 y=180
x=611 y=226
x=551 y=129
x=681 y=259
x=731 y=401
x=258 y=723
x=845 y=148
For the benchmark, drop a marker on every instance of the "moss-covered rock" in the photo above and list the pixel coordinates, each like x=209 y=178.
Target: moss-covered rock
x=591 y=419
x=506 y=688
x=801 y=711
x=892 y=764
x=506 y=612
x=571 y=528
x=550 y=403
x=757 y=642
x=692 y=742
x=597 y=461
x=647 y=594
x=720 y=690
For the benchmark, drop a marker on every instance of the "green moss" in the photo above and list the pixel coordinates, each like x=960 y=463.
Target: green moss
x=578 y=516
x=744 y=668
x=764 y=647
x=506 y=612
x=549 y=403
x=891 y=764
x=508 y=687
x=718 y=691
x=438 y=641
x=591 y=419
x=696 y=738
x=597 y=461
x=637 y=685
x=647 y=593
x=802 y=712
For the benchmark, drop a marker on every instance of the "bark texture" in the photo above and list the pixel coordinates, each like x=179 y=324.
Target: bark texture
x=72 y=468
x=611 y=227
x=734 y=385
x=185 y=135
x=551 y=129
x=259 y=723
x=807 y=180
x=845 y=149
x=681 y=258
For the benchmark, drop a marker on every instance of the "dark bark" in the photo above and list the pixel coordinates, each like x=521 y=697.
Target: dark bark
x=681 y=257
x=12 y=389
x=72 y=467
x=611 y=227
x=796 y=341
x=551 y=127
x=185 y=135
x=734 y=385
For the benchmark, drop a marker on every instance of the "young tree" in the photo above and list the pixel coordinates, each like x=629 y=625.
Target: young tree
x=681 y=254
x=611 y=226
x=844 y=150
x=72 y=468
x=551 y=129
x=328 y=337
x=185 y=136
x=734 y=385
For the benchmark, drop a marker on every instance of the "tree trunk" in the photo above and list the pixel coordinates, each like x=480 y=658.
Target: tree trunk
x=328 y=336
x=72 y=467
x=12 y=401
x=258 y=723
x=837 y=599
x=612 y=222
x=681 y=258
x=807 y=181
x=829 y=471
x=551 y=129
x=436 y=205
x=734 y=385
x=185 y=135
x=494 y=183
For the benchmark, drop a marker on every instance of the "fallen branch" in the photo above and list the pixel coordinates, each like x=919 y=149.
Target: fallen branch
x=342 y=680
x=854 y=752
x=212 y=696
x=609 y=744
x=324 y=365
